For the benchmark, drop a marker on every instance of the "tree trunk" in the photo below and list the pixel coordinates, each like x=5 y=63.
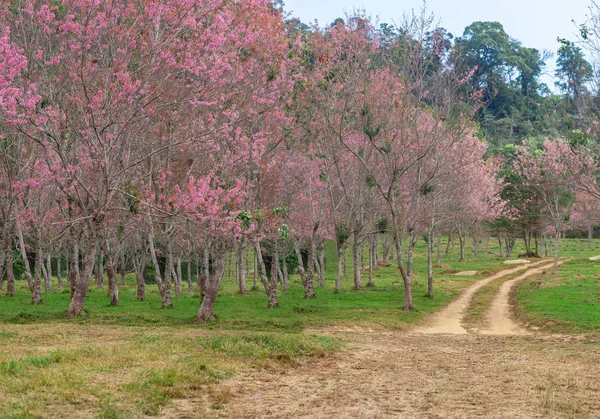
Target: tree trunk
x=362 y=257
x=371 y=262
x=461 y=240
x=163 y=288
x=113 y=286
x=527 y=243
x=590 y=235
x=67 y=267
x=312 y=261
x=44 y=275
x=439 y=249
x=74 y=274
x=386 y=249
x=410 y=254
x=356 y=261
x=170 y=274
x=48 y=277
x=340 y=269
x=10 y=276
x=279 y=272
x=247 y=262
x=275 y=269
x=59 y=271
x=282 y=278
x=318 y=269
x=36 y=289
x=111 y=274
x=510 y=244
x=408 y=302
x=307 y=281
x=178 y=283
x=24 y=257
x=174 y=275
x=475 y=246
x=206 y=269
x=81 y=282
x=284 y=268
x=241 y=269
x=430 y=262
x=448 y=244
x=123 y=268
x=44 y=271
x=212 y=284
x=254 y=286
x=99 y=270
x=189 y=276
x=229 y=263
x=2 y=268
x=270 y=284
x=141 y=284
x=500 y=245
x=556 y=243
x=374 y=251
x=198 y=276
x=321 y=264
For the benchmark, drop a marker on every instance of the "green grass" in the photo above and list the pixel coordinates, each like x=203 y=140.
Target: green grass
x=380 y=306
x=566 y=301
x=135 y=359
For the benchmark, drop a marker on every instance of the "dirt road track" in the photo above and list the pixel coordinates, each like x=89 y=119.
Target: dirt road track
x=438 y=371
x=499 y=319
x=449 y=319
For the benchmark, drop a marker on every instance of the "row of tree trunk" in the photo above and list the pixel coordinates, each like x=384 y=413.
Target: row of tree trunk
x=270 y=267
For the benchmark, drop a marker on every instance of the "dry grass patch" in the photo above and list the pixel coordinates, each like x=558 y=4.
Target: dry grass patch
x=122 y=372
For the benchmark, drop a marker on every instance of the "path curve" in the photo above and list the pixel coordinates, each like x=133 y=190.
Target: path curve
x=498 y=318
x=449 y=320
x=412 y=375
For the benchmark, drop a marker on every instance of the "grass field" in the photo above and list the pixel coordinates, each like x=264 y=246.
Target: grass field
x=566 y=301
x=374 y=306
x=136 y=359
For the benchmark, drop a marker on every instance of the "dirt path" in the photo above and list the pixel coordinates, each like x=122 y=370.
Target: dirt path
x=430 y=376
x=498 y=318
x=438 y=372
x=449 y=320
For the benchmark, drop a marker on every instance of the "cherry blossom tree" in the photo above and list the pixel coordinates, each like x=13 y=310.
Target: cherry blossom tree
x=154 y=82
x=545 y=171
x=585 y=213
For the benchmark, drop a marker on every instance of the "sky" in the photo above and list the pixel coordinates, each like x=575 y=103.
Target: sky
x=536 y=23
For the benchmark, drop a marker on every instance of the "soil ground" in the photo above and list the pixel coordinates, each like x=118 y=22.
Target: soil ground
x=437 y=370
